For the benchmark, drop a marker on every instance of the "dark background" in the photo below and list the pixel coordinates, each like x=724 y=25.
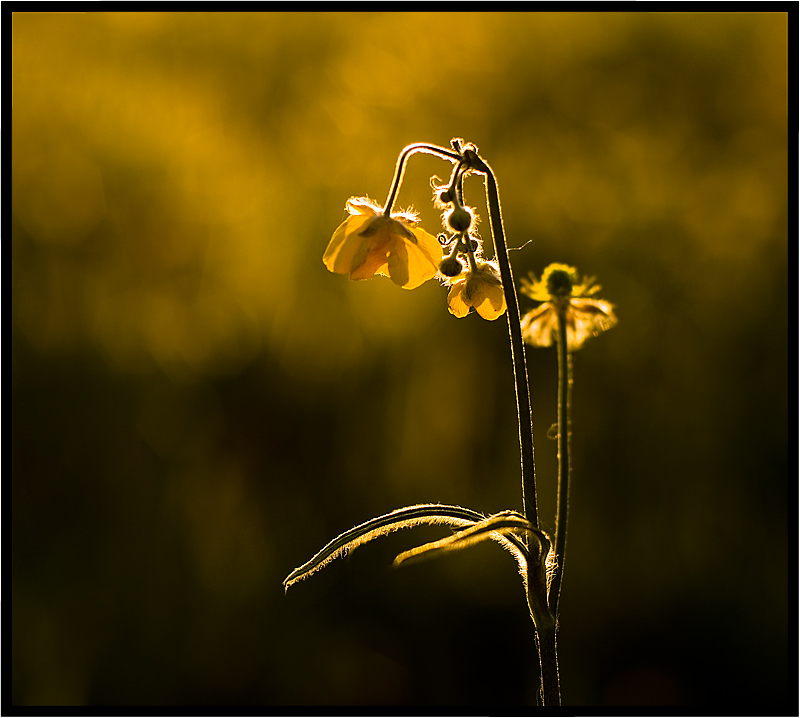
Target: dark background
x=198 y=405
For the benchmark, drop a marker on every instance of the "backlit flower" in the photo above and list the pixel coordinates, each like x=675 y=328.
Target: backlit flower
x=560 y=290
x=481 y=289
x=368 y=242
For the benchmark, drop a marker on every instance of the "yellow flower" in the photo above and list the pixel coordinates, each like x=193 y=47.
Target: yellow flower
x=559 y=290
x=481 y=289
x=368 y=242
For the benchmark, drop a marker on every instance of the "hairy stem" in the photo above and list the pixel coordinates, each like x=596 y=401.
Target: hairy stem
x=562 y=506
x=548 y=657
x=545 y=623
x=517 y=348
x=543 y=618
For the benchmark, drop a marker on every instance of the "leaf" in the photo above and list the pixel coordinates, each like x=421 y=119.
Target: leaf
x=501 y=524
x=499 y=527
x=382 y=525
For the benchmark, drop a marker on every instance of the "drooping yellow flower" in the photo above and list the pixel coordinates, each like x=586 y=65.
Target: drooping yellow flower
x=480 y=288
x=560 y=290
x=368 y=243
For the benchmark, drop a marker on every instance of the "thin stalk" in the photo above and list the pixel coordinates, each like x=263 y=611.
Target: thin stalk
x=458 y=185
x=548 y=657
x=539 y=692
x=400 y=167
x=543 y=618
x=562 y=505
x=517 y=348
x=546 y=627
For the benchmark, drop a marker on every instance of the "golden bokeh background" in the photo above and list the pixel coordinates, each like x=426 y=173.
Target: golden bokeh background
x=198 y=405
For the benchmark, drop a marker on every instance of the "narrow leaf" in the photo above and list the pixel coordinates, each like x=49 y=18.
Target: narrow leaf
x=380 y=526
x=499 y=526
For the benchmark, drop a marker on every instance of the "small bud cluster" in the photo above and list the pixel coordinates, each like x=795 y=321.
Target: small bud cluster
x=459 y=221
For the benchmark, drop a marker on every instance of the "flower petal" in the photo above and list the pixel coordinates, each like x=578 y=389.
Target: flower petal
x=428 y=245
x=577 y=332
x=589 y=317
x=344 y=245
x=398 y=263
x=456 y=303
x=598 y=309
x=539 y=326
x=473 y=289
x=493 y=303
x=374 y=259
x=497 y=297
x=423 y=258
x=363 y=205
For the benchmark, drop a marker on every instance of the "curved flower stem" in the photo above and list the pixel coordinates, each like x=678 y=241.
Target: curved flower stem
x=517 y=347
x=562 y=506
x=400 y=168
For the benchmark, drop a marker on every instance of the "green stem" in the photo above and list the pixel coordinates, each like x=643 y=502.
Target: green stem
x=562 y=505
x=400 y=167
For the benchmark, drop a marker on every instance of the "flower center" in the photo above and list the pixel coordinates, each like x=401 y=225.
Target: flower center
x=559 y=283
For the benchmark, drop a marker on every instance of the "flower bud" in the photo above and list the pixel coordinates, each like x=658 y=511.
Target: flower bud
x=459 y=219
x=451 y=267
